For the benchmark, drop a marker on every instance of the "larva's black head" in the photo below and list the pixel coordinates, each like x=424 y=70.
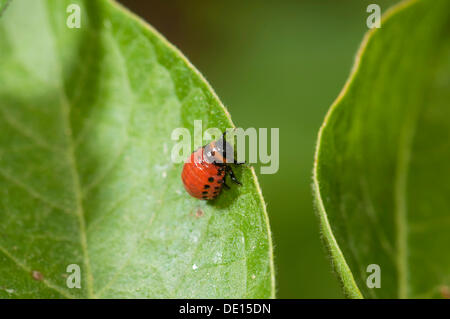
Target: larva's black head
x=219 y=151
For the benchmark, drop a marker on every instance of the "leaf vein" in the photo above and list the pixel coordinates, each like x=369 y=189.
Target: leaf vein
x=26 y=269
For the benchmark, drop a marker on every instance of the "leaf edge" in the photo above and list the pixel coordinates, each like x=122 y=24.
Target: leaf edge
x=190 y=66
x=337 y=259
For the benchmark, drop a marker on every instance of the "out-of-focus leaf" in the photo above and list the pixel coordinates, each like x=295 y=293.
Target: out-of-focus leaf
x=3 y=5
x=382 y=169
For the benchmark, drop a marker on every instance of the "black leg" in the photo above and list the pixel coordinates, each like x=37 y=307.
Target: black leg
x=225 y=184
x=233 y=177
x=222 y=169
x=219 y=164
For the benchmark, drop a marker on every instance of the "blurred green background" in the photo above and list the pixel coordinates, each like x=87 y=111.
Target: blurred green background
x=275 y=64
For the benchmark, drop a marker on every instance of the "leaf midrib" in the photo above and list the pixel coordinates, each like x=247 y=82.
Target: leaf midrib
x=70 y=154
x=400 y=212
x=77 y=190
x=70 y=142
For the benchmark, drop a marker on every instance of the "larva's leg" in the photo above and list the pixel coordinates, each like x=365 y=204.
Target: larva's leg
x=233 y=177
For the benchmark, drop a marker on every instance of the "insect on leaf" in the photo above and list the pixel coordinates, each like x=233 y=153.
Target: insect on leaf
x=86 y=177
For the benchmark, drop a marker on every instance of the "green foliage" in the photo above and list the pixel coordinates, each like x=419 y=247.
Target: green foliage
x=382 y=170
x=86 y=177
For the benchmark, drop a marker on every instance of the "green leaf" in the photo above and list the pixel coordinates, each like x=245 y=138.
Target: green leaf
x=86 y=176
x=382 y=172
x=3 y=6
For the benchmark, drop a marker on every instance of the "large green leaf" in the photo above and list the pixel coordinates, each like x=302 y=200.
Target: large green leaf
x=382 y=167
x=86 y=178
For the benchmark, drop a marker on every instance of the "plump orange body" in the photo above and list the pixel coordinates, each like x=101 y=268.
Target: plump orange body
x=201 y=179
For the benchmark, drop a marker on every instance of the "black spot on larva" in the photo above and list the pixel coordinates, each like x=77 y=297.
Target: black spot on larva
x=211 y=179
x=206 y=186
x=216 y=187
x=205 y=193
x=219 y=173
